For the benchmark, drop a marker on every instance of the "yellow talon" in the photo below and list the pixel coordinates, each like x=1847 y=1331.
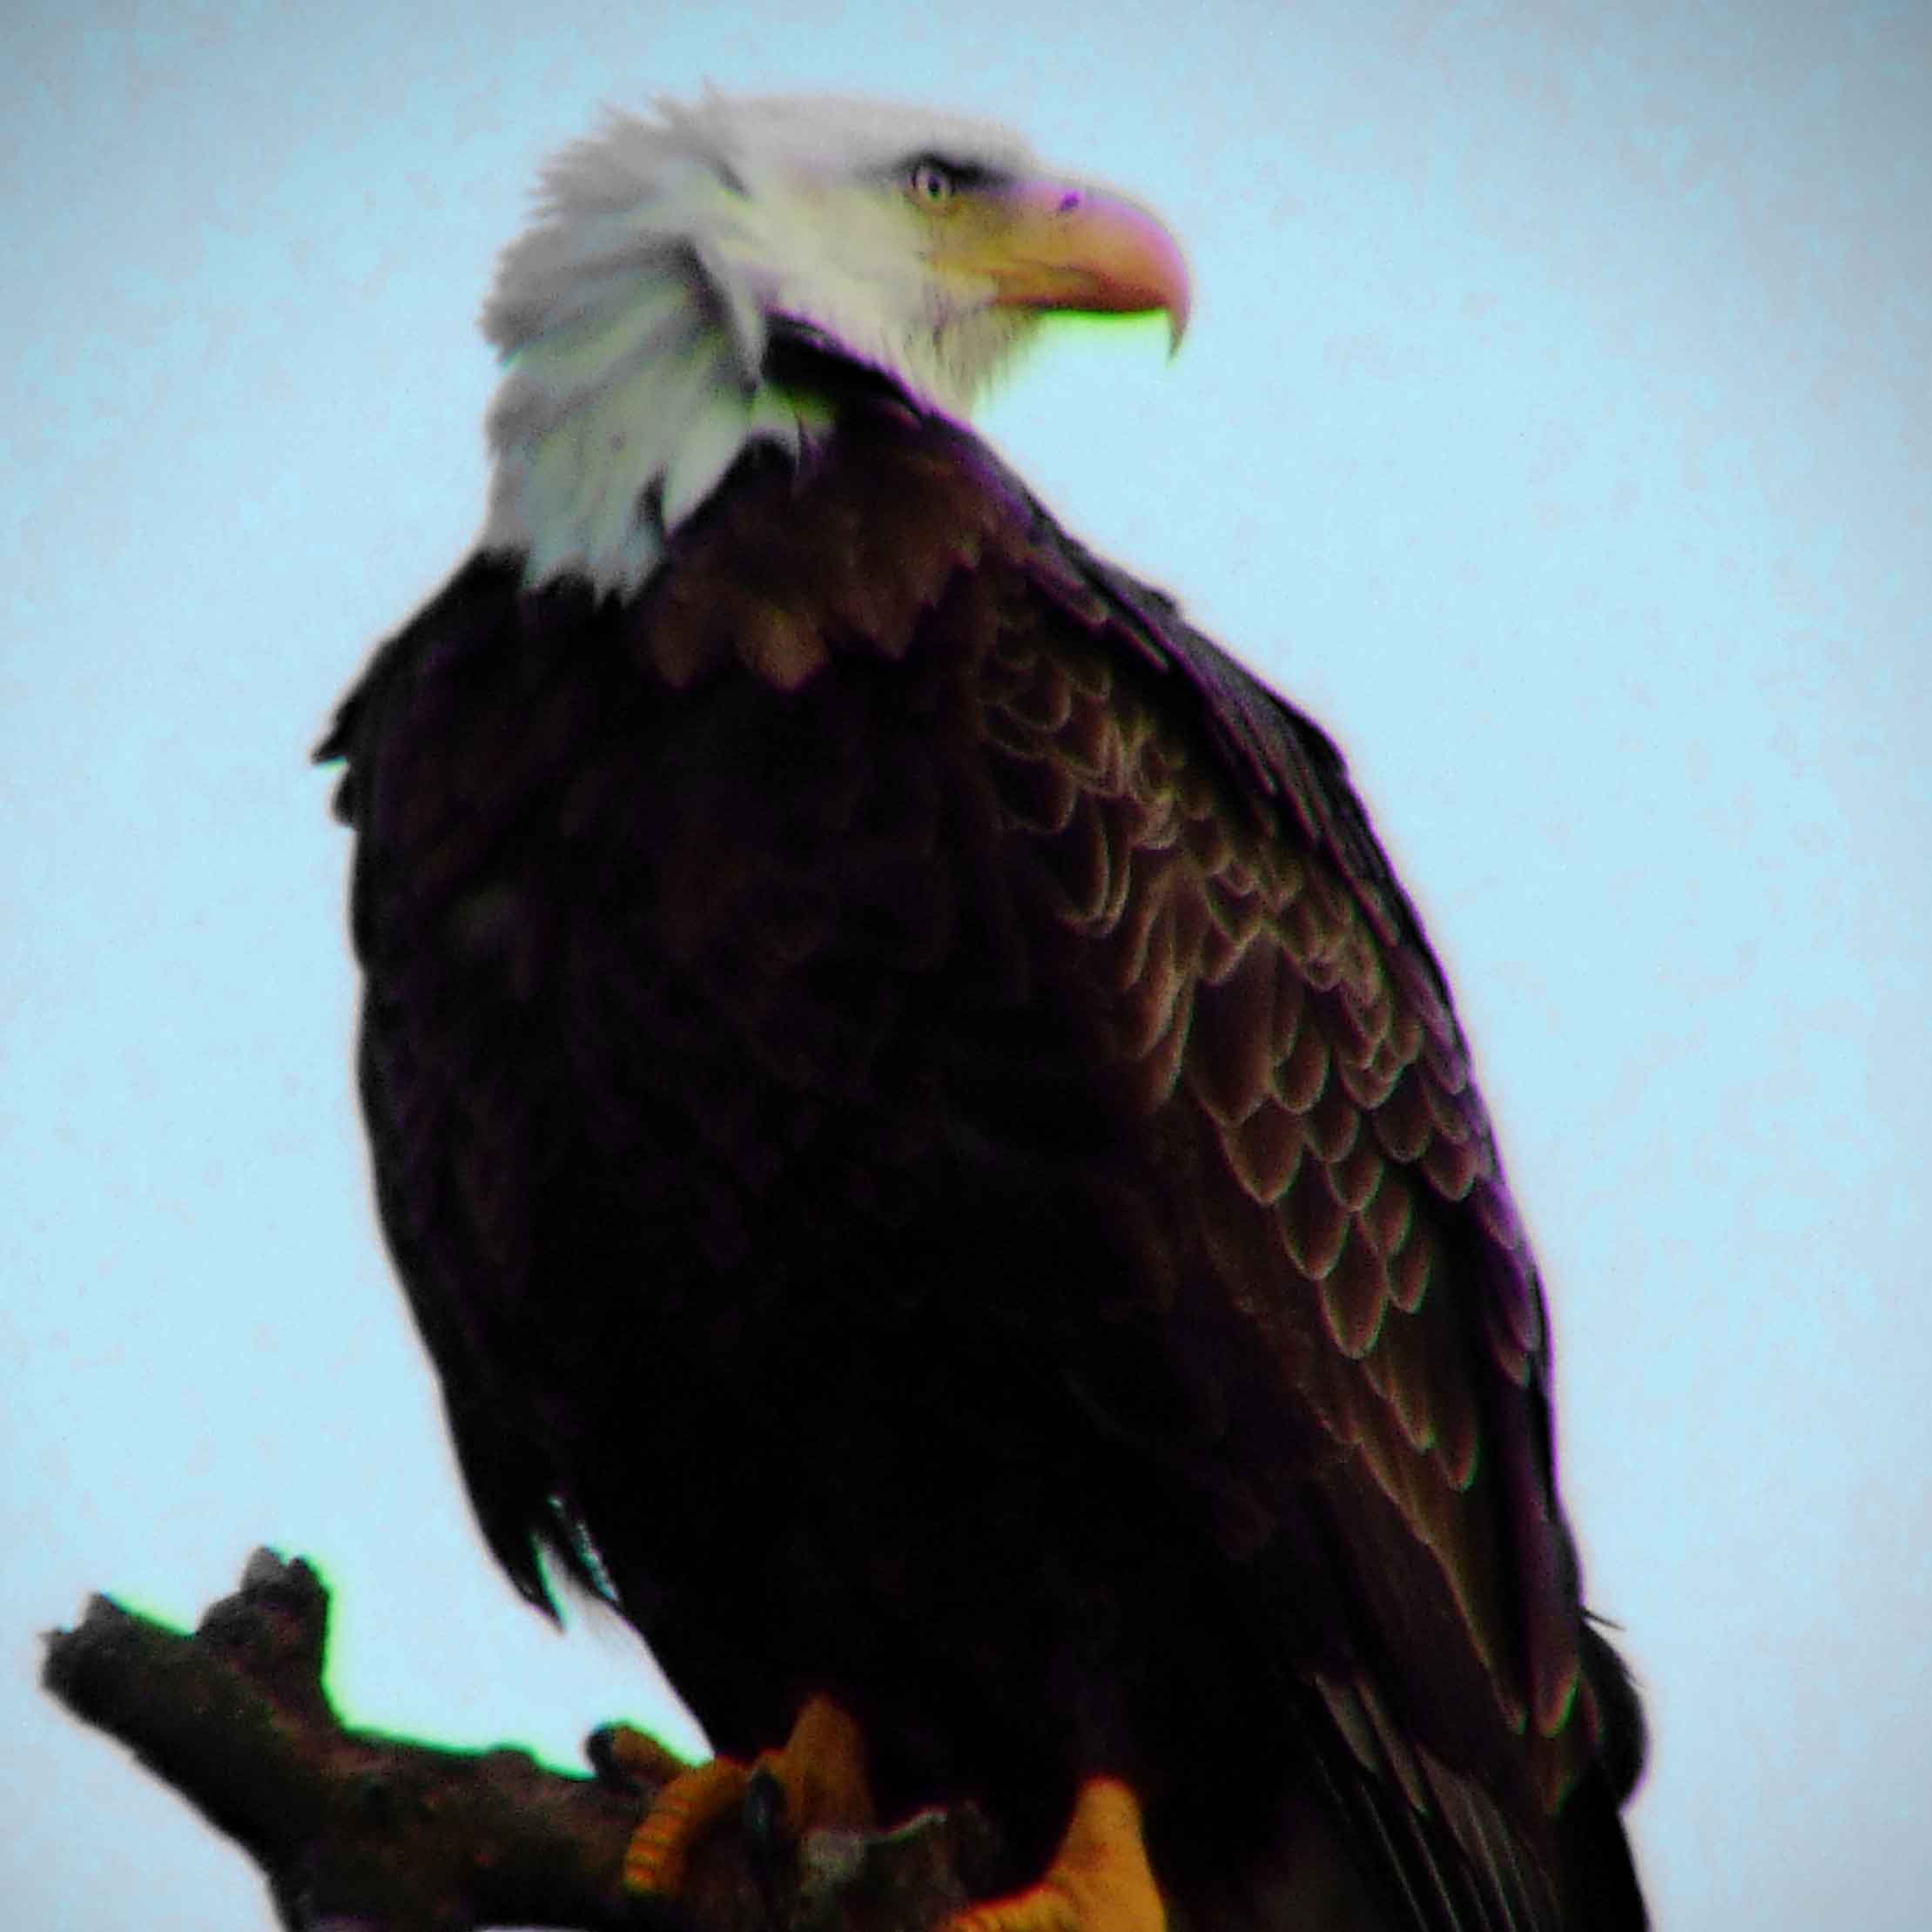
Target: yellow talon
x=1098 y=1881
x=820 y=1771
x=658 y=1854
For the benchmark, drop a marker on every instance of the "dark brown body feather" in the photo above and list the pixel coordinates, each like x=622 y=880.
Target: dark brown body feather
x=917 y=1123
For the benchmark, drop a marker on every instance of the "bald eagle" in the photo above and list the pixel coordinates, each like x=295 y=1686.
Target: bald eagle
x=926 y=1144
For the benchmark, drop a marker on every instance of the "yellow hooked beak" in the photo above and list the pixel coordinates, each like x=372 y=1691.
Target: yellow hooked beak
x=1059 y=245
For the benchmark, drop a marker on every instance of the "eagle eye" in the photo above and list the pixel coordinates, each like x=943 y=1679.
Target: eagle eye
x=930 y=182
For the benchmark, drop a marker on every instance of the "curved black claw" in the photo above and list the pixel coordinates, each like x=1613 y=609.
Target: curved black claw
x=765 y=1833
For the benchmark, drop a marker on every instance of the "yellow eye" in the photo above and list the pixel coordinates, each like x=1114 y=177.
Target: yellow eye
x=931 y=183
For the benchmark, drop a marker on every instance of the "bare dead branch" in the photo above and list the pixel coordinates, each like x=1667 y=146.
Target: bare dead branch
x=358 y=1832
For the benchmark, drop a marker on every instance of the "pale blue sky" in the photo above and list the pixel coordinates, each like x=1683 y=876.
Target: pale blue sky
x=1555 y=424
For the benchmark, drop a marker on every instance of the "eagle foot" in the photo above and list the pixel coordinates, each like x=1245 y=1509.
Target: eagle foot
x=1098 y=1881
x=814 y=1781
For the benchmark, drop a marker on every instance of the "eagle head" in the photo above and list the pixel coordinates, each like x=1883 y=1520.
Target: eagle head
x=635 y=316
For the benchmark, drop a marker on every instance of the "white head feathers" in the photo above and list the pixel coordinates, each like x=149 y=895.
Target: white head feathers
x=633 y=317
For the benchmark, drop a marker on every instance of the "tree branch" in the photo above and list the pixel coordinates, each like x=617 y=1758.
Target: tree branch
x=358 y=1832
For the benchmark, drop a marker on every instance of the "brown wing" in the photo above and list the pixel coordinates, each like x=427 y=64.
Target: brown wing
x=1264 y=992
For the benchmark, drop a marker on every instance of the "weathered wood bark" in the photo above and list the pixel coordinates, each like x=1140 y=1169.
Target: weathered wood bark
x=358 y=1832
